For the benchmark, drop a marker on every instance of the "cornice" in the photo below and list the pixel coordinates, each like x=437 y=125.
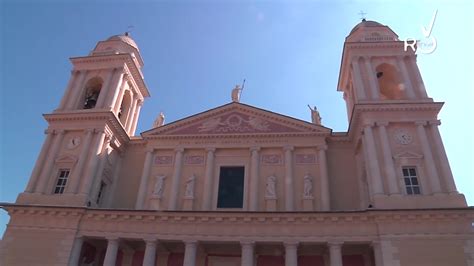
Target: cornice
x=83 y=115
x=371 y=45
x=133 y=70
x=238 y=135
x=339 y=217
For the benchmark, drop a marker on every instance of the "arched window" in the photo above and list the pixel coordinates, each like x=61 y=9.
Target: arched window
x=124 y=110
x=390 y=82
x=93 y=87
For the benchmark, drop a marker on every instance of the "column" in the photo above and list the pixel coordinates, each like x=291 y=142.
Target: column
x=77 y=173
x=69 y=88
x=443 y=158
x=111 y=192
x=135 y=118
x=372 y=160
x=104 y=91
x=131 y=115
x=77 y=90
x=111 y=252
x=429 y=161
x=35 y=174
x=190 y=253
x=325 y=190
x=89 y=171
x=119 y=81
x=247 y=253
x=406 y=77
x=178 y=161
x=144 y=180
x=389 y=167
x=49 y=162
x=289 y=197
x=335 y=254
x=374 y=86
x=377 y=253
x=76 y=251
x=208 y=178
x=254 y=177
x=357 y=76
x=420 y=86
x=150 y=253
x=118 y=101
x=291 y=254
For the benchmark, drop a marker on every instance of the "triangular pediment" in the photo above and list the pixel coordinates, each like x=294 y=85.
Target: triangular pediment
x=408 y=155
x=66 y=158
x=236 y=118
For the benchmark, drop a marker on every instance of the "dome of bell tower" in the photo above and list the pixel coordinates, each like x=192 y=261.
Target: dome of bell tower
x=119 y=44
x=124 y=38
x=371 y=31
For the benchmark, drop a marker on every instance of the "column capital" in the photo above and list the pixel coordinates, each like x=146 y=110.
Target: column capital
x=99 y=130
x=322 y=147
x=191 y=242
x=254 y=148
x=89 y=130
x=382 y=123
x=59 y=131
x=368 y=124
x=179 y=149
x=400 y=57
x=210 y=149
x=247 y=243
x=335 y=244
x=150 y=241
x=420 y=123
x=112 y=238
x=150 y=150
x=291 y=244
x=48 y=131
x=435 y=122
x=374 y=243
x=288 y=148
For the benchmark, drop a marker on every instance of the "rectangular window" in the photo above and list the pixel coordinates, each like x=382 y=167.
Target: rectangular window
x=231 y=187
x=410 y=179
x=101 y=192
x=61 y=183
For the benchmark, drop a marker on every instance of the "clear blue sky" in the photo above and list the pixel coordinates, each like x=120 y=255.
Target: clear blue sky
x=195 y=52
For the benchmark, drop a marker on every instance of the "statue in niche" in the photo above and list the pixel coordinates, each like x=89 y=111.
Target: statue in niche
x=160 y=120
x=236 y=93
x=159 y=186
x=315 y=117
x=308 y=186
x=189 y=188
x=270 y=188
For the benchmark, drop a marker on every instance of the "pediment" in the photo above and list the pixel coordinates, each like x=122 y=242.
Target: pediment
x=67 y=158
x=408 y=155
x=236 y=118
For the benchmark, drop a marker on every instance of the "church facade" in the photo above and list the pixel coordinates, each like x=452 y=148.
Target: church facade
x=239 y=185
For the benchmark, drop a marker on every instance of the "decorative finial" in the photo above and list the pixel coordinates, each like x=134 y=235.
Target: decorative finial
x=129 y=29
x=362 y=15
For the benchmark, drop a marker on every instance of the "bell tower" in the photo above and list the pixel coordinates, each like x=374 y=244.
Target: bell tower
x=376 y=68
x=394 y=123
x=80 y=158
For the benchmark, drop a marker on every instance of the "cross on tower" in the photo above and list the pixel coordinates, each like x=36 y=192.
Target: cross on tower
x=129 y=30
x=362 y=15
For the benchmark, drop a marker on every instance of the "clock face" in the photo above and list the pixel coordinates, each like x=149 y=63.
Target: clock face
x=403 y=137
x=73 y=142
